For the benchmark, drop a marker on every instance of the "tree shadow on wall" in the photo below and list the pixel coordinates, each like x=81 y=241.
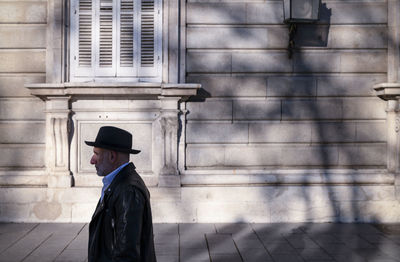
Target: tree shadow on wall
x=336 y=108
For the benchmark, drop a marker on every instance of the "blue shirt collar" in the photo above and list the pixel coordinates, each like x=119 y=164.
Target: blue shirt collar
x=110 y=177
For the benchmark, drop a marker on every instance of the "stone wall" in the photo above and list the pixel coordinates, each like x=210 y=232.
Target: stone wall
x=261 y=109
x=23 y=60
x=267 y=139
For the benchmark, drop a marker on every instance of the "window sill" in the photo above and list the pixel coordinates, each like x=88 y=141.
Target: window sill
x=127 y=90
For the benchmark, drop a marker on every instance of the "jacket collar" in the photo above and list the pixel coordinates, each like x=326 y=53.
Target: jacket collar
x=108 y=192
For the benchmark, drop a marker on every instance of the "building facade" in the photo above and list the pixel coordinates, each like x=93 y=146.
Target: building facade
x=230 y=127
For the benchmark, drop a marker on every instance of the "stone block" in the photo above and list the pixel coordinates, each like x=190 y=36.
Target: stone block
x=216 y=133
x=14 y=212
x=364 y=108
x=362 y=193
x=255 y=62
x=74 y=195
x=210 y=110
x=280 y=133
x=49 y=211
x=264 y=13
x=216 y=13
x=201 y=156
x=82 y=212
x=305 y=155
x=173 y=212
x=291 y=86
x=302 y=210
x=15 y=61
x=28 y=155
x=23 y=12
x=13 y=85
x=23 y=178
x=312 y=109
x=22 y=195
x=354 y=12
x=317 y=61
x=35 y=212
x=353 y=85
x=369 y=211
x=256 y=109
x=227 y=194
x=206 y=62
x=341 y=36
x=333 y=132
x=23 y=36
x=21 y=109
x=228 y=37
x=21 y=132
x=363 y=155
x=363 y=61
x=231 y=86
x=254 y=155
x=371 y=131
x=356 y=36
x=164 y=194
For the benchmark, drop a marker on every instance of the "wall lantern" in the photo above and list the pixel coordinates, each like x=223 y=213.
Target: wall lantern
x=299 y=11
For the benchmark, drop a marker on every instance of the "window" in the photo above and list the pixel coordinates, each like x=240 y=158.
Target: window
x=115 y=40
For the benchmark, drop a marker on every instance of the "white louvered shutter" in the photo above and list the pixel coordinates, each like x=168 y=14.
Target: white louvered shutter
x=105 y=31
x=150 y=39
x=114 y=40
x=82 y=51
x=127 y=44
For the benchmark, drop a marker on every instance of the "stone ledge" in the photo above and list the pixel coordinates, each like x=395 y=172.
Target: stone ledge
x=127 y=90
x=287 y=177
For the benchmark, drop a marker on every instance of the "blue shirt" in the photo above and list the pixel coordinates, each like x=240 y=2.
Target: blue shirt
x=109 y=178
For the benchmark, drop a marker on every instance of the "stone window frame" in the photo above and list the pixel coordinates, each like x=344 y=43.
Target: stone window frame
x=173 y=41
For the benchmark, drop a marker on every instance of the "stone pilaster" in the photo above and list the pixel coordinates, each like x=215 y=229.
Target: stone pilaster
x=391 y=93
x=57 y=142
x=169 y=174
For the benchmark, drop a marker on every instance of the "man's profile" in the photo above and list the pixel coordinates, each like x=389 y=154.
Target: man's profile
x=121 y=228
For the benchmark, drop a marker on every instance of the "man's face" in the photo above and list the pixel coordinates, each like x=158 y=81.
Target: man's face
x=101 y=161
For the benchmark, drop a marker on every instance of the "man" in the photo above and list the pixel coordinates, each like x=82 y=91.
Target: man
x=121 y=228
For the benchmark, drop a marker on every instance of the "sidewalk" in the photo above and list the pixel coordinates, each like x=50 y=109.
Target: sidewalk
x=215 y=242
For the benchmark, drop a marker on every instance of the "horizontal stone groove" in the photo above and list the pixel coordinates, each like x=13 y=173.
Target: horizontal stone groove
x=311 y=50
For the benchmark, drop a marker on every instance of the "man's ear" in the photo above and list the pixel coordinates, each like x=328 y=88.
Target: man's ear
x=112 y=156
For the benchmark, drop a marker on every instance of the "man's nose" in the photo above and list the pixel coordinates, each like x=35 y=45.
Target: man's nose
x=93 y=160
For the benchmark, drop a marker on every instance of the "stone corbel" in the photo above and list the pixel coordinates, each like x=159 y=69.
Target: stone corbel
x=169 y=123
x=57 y=142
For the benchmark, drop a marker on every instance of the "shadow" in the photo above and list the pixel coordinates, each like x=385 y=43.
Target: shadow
x=309 y=113
x=314 y=35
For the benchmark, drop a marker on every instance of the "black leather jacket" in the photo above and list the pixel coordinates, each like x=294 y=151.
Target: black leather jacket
x=121 y=228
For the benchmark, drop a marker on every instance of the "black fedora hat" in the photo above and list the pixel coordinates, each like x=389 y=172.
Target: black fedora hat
x=114 y=138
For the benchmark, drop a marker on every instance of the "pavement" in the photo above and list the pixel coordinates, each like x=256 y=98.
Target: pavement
x=214 y=242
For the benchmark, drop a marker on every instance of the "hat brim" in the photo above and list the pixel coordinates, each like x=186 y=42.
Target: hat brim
x=123 y=150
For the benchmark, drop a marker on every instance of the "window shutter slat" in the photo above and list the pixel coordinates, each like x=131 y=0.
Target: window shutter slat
x=150 y=40
x=106 y=33
x=85 y=33
x=147 y=40
x=126 y=33
x=105 y=38
x=82 y=39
